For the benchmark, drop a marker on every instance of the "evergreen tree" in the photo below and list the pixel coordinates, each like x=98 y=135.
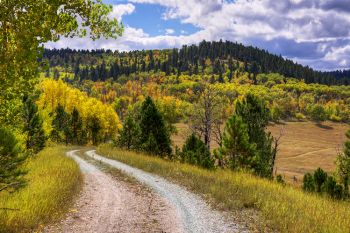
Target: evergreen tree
x=76 y=124
x=10 y=160
x=154 y=136
x=33 y=126
x=308 y=183
x=236 y=150
x=343 y=165
x=61 y=126
x=94 y=127
x=194 y=151
x=130 y=134
x=255 y=115
x=320 y=178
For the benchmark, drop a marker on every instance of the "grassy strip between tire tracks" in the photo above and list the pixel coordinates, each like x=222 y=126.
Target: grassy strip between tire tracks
x=52 y=181
x=285 y=209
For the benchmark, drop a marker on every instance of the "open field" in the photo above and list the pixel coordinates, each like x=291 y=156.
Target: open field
x=304 y=146
x=284 y=208
x=53 y=180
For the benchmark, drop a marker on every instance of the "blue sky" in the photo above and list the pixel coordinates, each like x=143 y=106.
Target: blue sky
x=311 y=32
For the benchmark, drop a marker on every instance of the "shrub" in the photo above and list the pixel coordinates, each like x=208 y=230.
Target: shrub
x=308 y=183
x=317 y=113
x=335 y=118
x=280 y=179
x=299 y=116
x=320 y=177
x=329 y=186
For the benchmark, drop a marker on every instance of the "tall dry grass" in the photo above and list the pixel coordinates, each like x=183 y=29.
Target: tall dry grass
x=53 y=179
x=286 y=209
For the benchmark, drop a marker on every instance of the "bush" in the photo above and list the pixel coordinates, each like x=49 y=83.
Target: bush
x=299 y=116
x=335 y=118
x=317 y=113
x=329 y=186
x=280 y=179
x=320 y=178
x=308 y=183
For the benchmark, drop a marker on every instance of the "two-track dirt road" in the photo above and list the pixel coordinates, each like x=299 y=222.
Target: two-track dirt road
x=152 y=204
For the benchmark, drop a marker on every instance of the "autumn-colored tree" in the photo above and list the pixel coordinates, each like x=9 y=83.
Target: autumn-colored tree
x=23 y=32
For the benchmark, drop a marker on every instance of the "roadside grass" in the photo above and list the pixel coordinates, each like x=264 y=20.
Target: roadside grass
x=53 y=180
x=284 y=208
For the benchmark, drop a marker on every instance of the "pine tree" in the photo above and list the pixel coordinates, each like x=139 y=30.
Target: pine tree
x=236 y=150
x=343 y=165
x=10 y=160
x=154 y=136
x=194 y=151
x=94 y=127
x=76 y=124
x=320 y=178
x=130 y=134
x=255 y=115
x=61 y=126
x=33 y=126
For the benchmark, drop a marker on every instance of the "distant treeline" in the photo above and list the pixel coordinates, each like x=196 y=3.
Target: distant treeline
x=219 y=58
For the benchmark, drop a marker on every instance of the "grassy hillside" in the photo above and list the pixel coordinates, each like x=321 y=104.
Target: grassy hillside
x=285 y=209
x=53 y=180
x=304 y=146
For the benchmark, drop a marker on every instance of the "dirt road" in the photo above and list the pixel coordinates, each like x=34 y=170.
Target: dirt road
x=194 y=213
x=149 y=204
x=107 y=204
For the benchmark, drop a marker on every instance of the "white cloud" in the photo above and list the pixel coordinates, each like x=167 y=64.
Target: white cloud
x=314 y=32
x=120 y=10
x=169 y=31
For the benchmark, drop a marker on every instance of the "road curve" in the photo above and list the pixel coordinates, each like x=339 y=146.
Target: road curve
x=195 y=214
x=110 y=204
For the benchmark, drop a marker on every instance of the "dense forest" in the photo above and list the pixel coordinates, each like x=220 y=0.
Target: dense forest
x=217 y=58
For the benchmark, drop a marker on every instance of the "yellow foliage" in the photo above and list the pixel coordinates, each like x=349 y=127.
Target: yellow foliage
x=58 y=92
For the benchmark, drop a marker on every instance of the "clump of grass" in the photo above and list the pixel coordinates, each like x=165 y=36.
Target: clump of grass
x=53 y=179
x=285 y=208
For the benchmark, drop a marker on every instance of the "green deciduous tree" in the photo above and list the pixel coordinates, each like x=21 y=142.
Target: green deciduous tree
x=25 y=25
x=33 y=126
x=154 y=136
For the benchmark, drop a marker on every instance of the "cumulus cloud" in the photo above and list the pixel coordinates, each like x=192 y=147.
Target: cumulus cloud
x=169 y=31
x=313 y=32
x=120 y=10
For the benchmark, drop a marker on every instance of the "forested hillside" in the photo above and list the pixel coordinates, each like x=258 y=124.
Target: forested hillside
x=175 y=80
x=214 y=58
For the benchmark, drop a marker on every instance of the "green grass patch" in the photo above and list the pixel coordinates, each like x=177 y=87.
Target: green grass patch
x=53 y=180
x=285 y=209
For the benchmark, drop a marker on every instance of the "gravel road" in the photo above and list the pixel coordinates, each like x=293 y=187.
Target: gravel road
x=194 y=213
x=112 y=204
